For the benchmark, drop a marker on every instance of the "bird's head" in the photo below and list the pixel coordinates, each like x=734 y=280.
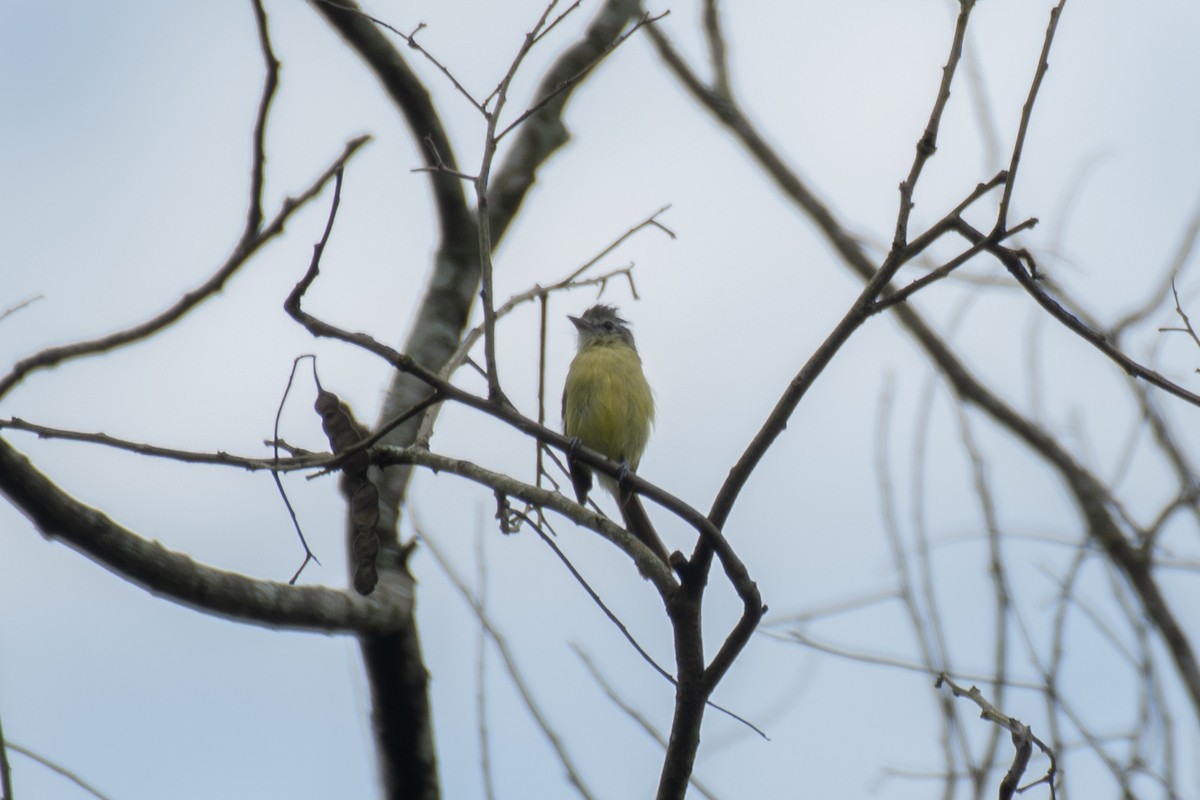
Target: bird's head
x=601 y=324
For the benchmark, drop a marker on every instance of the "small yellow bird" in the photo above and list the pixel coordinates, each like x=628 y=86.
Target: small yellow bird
x=608 y=406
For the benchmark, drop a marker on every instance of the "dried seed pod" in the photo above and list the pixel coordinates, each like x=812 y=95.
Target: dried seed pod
x=343 y=432
x=364 y=541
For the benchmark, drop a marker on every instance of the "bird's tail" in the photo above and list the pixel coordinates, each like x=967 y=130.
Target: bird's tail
x=638 y=523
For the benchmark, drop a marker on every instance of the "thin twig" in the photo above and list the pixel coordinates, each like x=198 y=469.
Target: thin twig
x=1187 y=322
x=902 y=295
x=247 y=247
x=249 y=463
x=632 y=712
x=308 y=553
x=625 y=630
x=53 y=767
x=1029 y=279
x=571 y=281
x=510 y=664
x=481 y=592
x=608 y=612
x=1179 y=260
x=946 y=223
x=924 y=623
x=1027 y=114
x=15 y=308
x=984 y=113
x=878 y=659
x=539 y=467
x=564 y=85
x=498 y=96
x=1056 y=703
x=648 y=222
x=545 y=31
x=927 y=144
x=318 y=250
x=998 y=573
x=498 y=99
x=1022 y=738
x=411 y=40
x=254 y=215
x=834 y=608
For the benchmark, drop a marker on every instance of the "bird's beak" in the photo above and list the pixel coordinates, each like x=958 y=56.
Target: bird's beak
x=577 y=322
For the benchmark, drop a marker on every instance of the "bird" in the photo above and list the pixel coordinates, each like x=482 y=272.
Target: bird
x=608 y=406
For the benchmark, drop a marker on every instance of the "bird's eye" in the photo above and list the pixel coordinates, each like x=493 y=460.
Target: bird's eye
x=610 y=326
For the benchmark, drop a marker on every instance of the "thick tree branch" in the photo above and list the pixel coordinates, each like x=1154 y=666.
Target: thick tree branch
x=413 y=101
x=176 y=576
x=395 y=671
x=450 y=291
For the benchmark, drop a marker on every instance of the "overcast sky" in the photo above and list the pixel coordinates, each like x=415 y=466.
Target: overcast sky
x=125 y=145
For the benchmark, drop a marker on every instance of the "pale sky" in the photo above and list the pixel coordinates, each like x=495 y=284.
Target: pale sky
x=125 y=141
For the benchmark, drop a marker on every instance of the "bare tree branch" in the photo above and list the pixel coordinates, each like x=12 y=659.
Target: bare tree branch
x=6 y=313
x=514 y=671
x=1023 y=740
x=543 y=133
x=927 y=144
x=1027 y=112
x=998 y=571
x=1028 y=278
x=57 y=769
x=633 y=713
x=481 y=593
x=176 y=576
x=923 y=620
x=254 y=215
x=1087 y=492
x=247 y=247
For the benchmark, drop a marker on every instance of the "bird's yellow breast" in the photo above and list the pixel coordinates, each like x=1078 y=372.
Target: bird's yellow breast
x=607 y=402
